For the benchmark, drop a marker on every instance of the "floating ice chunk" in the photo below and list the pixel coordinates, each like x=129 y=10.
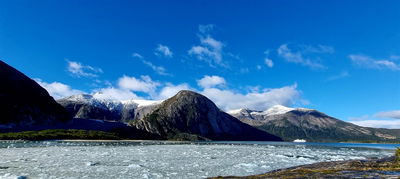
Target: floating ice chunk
x=134 y=166
x=12 y=176
x=92 y=163
x=248 y=165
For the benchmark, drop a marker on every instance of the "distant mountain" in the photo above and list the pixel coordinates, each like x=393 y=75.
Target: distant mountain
x=24 y=103
x=87 y=106
x=311 y=125
x=191 y=116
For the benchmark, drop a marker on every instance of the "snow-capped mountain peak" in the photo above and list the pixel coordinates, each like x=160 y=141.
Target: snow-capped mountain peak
x=236 y=111
x=80 y=97
x=141 y=102
x=280 y=109
x=97 y=107
x=112 y=105
x=277 y=109
x=274 y=110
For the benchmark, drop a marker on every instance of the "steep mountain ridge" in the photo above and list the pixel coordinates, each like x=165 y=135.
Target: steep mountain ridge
x=189 y=114
x=23 y=102
x=87 y=106
x=312 y=125
x=26 y=106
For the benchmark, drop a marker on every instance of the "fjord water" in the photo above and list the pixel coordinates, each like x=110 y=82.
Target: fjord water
x=159 y=159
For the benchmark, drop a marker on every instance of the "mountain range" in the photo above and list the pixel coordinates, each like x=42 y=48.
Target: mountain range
x=185 y=116
x=311 y=125
x=189 y=113
x=87 y=106
x=25 y=105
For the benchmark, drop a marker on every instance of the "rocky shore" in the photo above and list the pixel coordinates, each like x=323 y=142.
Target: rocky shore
x=373 y=168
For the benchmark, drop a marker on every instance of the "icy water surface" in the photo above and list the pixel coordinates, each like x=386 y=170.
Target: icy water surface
x=57 y=159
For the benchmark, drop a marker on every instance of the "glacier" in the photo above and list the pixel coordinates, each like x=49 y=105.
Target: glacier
x=71 y=159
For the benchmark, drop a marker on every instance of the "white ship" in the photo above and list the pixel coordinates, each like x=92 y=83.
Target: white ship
x=299 y=140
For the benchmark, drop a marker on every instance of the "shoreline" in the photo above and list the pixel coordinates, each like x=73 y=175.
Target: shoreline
x=200 y=141
x=389 y=146
x=387 y=167
x=372 y=168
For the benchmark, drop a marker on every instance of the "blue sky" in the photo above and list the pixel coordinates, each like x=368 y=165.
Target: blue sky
x=340 y=57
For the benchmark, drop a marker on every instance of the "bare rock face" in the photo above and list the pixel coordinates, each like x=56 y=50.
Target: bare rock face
x=84 y=106
x=142 y=111
x=311 y=125
x=189 y=114
x=25 y=103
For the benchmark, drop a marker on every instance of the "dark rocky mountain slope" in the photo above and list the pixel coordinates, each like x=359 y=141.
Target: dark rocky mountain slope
x=24 y=103
x=312 y=125
x=189 y=115
x=26 y=106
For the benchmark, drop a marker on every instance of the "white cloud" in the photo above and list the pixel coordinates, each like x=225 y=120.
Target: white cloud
x=211 y=81
x=342 y=74
x=258 y=67
x=388 y=114
x=269 y=62
x=127 y=86
x=163 y=51
x=79 y=70
x=211 y=42
x=297 y=57
x=58 y=90
x=144 y=84
x=261 y=100
x=137 y=55
x=158 y=69
x=170 y=90
x=210 y=50
x=257 y=98
x=204 y=29
x=368 y=62
x=115 y=94
x=390 y=124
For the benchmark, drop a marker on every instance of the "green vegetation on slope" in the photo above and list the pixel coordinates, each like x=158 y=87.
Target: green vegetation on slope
x=59 y=134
